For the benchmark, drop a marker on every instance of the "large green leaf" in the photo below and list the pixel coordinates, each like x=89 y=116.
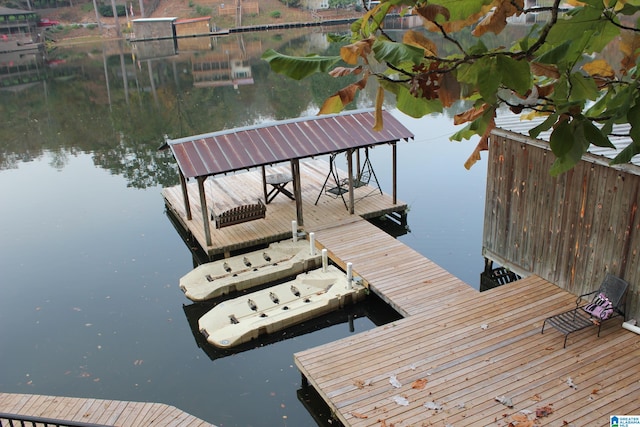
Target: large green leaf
x=594 y=135
x=587 y=26
x=409 y=104
x=544 y=126
x=299 y=67
x=561 y=139
x=397 y=53
x=489 y=80
x=556 y=55
x=568 y=142
x=582 y=88
x=484 y=75
x=516 y=75
x=627 y=154
x=461 y=9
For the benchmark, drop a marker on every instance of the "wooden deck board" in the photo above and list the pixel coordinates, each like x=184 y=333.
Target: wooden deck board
x=98 y=411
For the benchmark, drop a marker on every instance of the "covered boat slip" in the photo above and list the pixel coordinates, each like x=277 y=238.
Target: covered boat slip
x=282 y=184
x=226 y=192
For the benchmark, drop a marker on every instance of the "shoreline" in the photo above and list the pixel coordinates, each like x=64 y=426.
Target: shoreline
x=253 y=28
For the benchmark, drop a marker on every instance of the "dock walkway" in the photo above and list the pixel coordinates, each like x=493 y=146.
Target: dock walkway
x=98 y=411
x=458 y=351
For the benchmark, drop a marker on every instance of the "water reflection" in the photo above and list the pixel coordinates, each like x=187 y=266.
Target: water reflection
x=118 y=101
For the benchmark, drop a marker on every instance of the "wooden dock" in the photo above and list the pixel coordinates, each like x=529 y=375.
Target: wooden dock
x=98 y=411
x=226 y=192
x=458 y=350
x=459 y=357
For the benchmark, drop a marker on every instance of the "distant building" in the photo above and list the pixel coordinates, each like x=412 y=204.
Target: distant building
x=18 y=30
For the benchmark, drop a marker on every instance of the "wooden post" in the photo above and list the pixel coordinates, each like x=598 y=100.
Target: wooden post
x=297 y=190
x=350 y=167
x=205 y=212
x=185 y=195
x=264 y=184
x=394 y=173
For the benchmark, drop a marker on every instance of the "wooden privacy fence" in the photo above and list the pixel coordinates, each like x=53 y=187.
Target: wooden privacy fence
x=571 y=229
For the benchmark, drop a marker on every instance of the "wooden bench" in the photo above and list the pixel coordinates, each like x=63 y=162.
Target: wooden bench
x=239 y=214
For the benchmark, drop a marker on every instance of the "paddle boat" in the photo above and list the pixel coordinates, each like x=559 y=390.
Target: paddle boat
x=309 y=295
x=280 y=260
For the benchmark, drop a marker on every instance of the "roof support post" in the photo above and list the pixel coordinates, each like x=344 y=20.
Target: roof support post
x=205 y=211
x=350 y=168
x=264 y=183
x=297 y=190
x=394 y=173
x=185 y=195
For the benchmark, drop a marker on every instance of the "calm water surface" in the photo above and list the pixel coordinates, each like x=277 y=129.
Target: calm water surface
x=90 y=263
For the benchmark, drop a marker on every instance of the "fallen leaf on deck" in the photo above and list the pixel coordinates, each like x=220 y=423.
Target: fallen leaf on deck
x=484 y=326
x=419 y=384
x=400 y=400
x=394 y=381
x=433 y=406
x=506 y=401
x=536 y=398
x=571 y=384
x=359 y=384
x=544 y=411
x=359 y=415
x=520 y=417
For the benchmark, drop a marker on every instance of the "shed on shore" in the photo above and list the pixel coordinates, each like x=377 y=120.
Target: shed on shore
x=571 y=229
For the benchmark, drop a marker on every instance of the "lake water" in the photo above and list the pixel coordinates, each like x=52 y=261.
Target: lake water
x=90 y=262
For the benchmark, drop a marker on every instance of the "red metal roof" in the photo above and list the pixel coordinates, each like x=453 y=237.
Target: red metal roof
x=243 y=148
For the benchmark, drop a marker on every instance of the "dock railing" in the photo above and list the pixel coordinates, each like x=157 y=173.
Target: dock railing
x=26 y=420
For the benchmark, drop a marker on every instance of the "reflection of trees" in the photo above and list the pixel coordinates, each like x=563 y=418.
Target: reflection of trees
x=100 y=100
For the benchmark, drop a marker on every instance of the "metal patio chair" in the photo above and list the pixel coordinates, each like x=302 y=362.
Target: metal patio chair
x=592 y=308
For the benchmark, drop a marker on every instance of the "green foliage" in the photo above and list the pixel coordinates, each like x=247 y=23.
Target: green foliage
x=338 y=4
x=275 y=14
x=299 y=68
x=561 y=69
x=203 y=11
x=107 y=11
x=291 y=3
